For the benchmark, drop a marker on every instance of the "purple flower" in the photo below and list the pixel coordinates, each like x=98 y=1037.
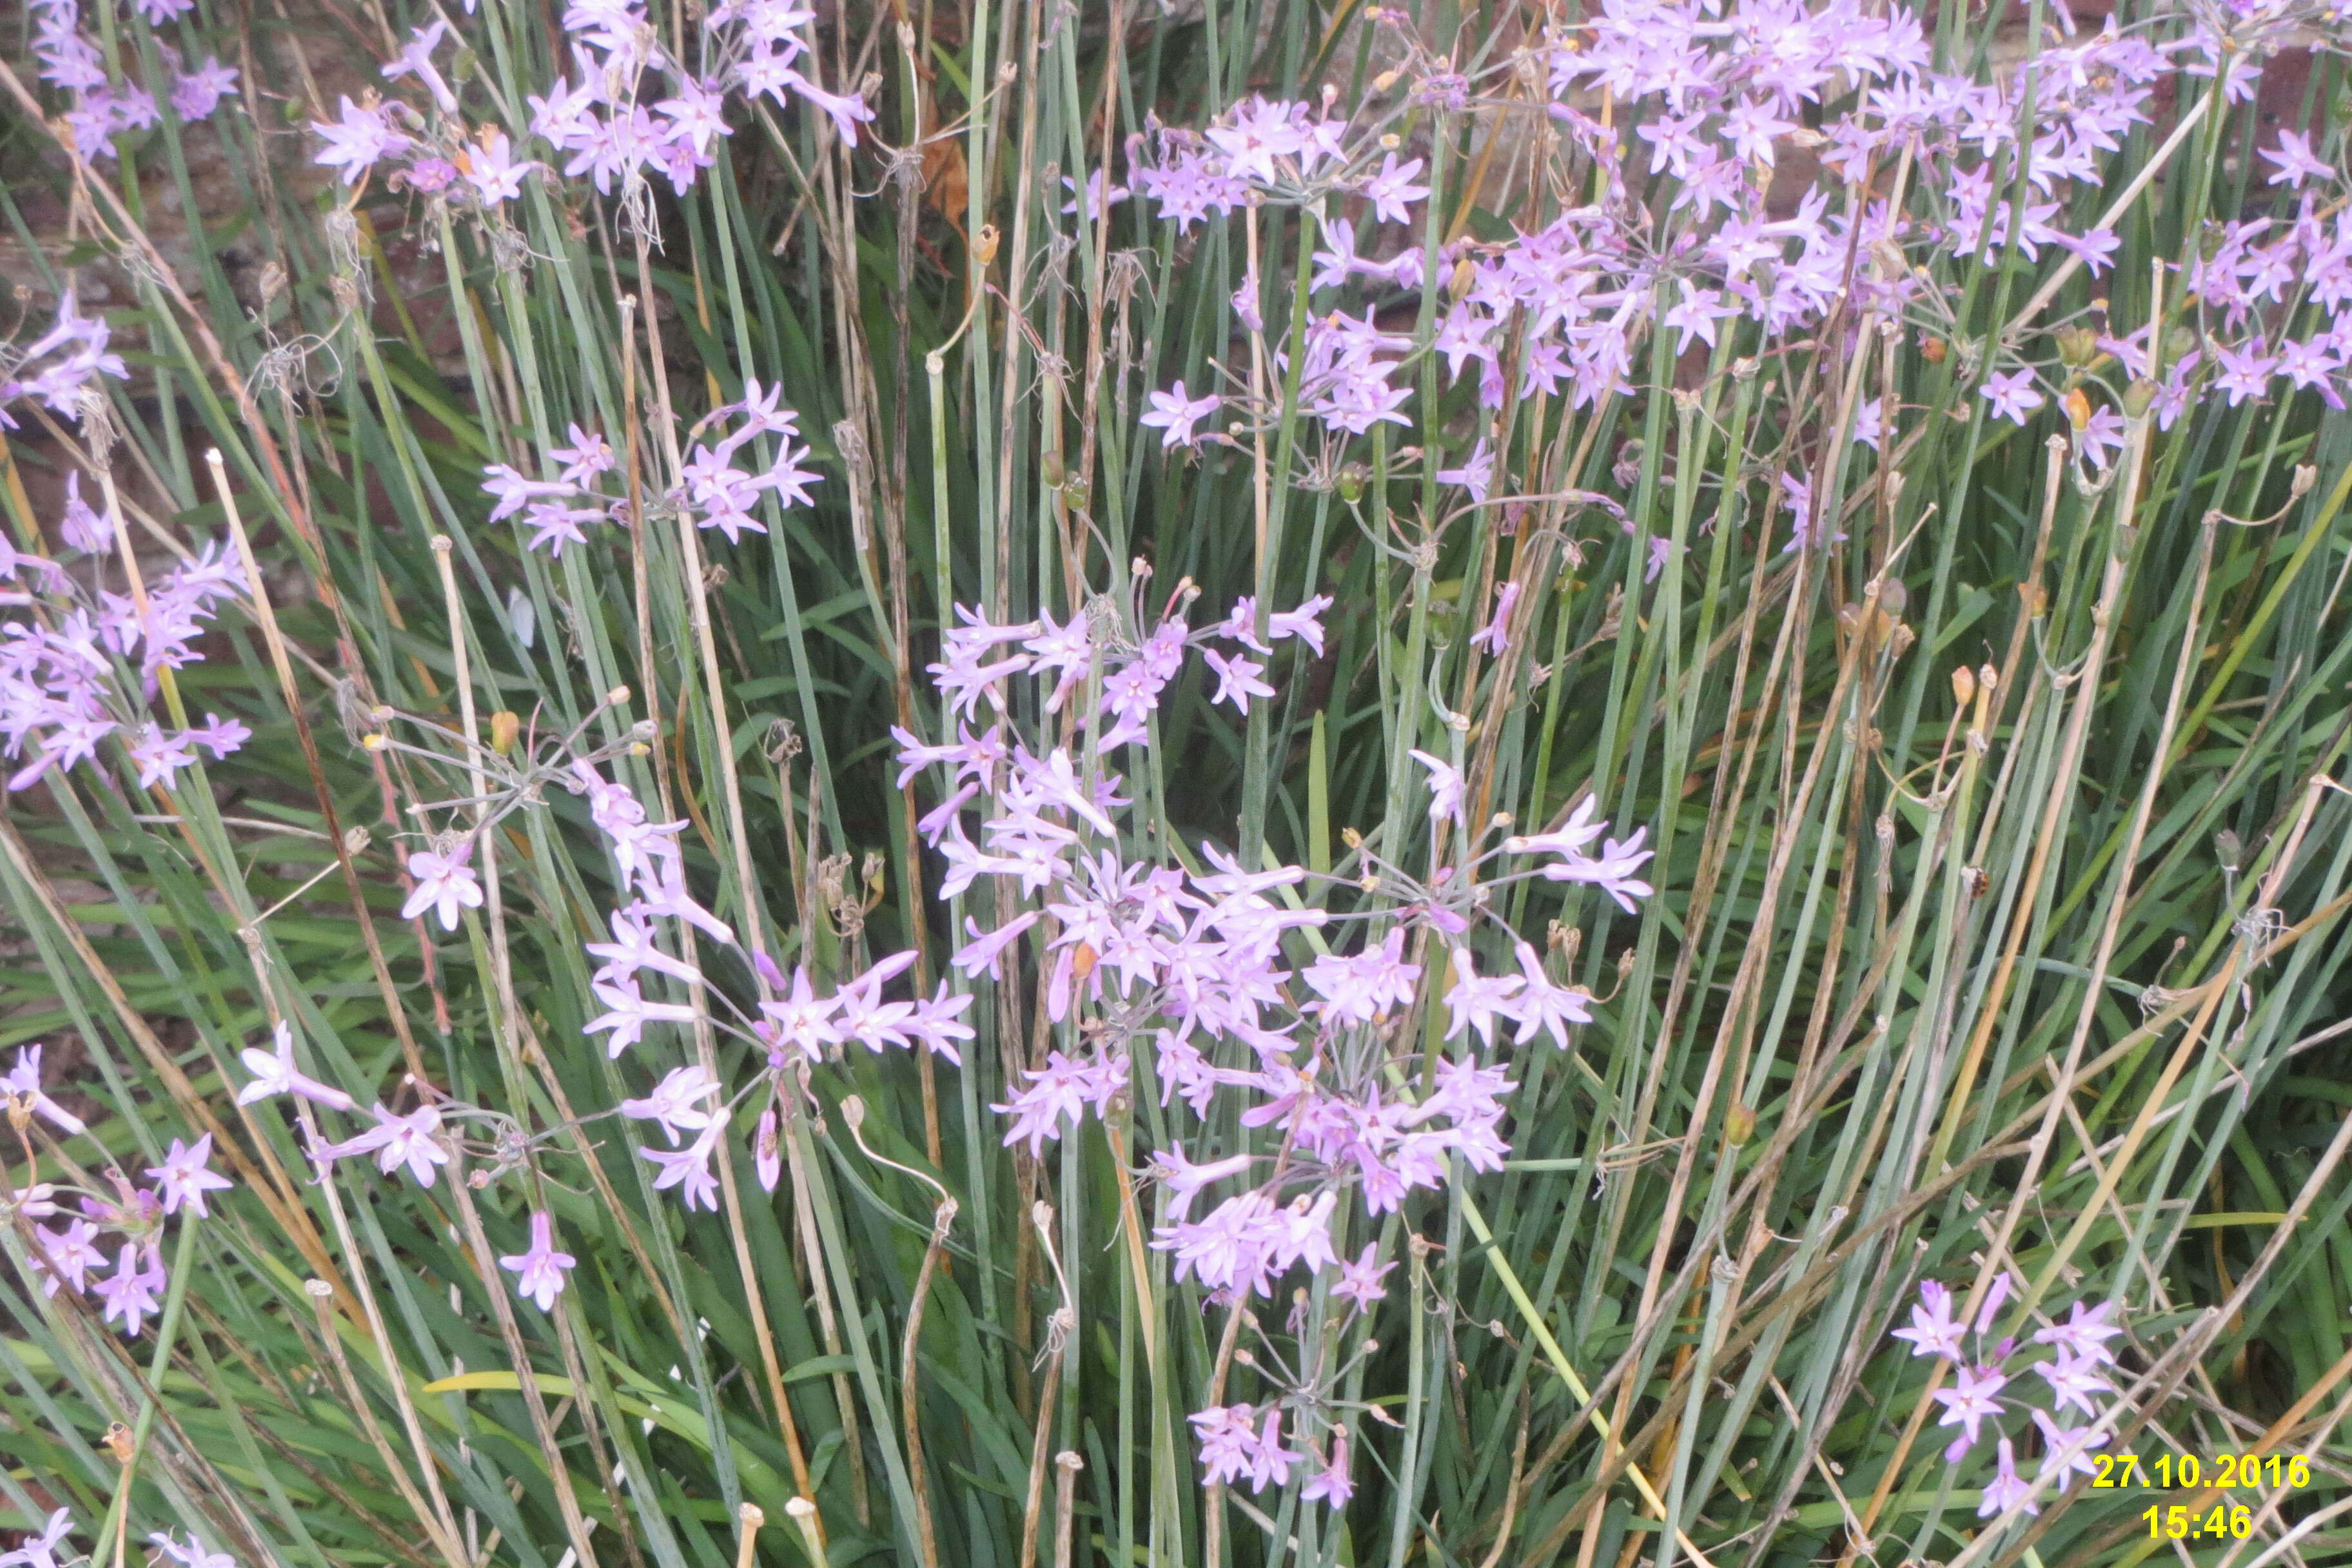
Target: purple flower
x=1391 y=191
x=68 y=1255
x=1330 y=1484
x=445 y=884
x=1261 y=133
x=1269 y=1461
x=936 y=1024
x=2246 y=372
x=1237 y=679
x=360 y=140
x=1970 y=1399
x=1476 y=1001
x=2075 y=1380
x=1358 y=989
x=185 y=1177
x=131 y=1292
x=2295 y=161
x=1496 y=635
x=1444 y=786
x=1304 y=622
x=39 y=1550
x=1543 y=1008
x=626 y=1014
x=427 y=175
x=631 y=949
x=496 y=175
x=415 y=58
x=25 y=1080
x=1174 y=414
x=2067 y=1450
x=986 y=949
x=1095 y=198
x=273 y=1074
x=688 y=1169
x=1359 y=1280
x=1060 y=1091
x=1184 y=1179
x=848 y=110
x=803 y=1020
x=2011 y=393
x=1228 y=1437
x=2103 y=437
x=413 y=1141
x=197 y=94
x=513 y=492
x=2084 y=1334
x=1934 y=1330
x=218 y=735
x=677 y=1102
x=1611 y=870
x=588 y=456
x=767 y=1152
x=2007 y=1491
x=540 y=1271
x=160 y=757
x=1476 y=473
x=192 y=1554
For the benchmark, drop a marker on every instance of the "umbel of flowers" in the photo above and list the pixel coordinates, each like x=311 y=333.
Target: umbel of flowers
x=1265 y=999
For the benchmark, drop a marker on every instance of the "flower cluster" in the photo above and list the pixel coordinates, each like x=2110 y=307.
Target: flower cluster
x=791 y=1027
x=88 y=669
x=73 y=1254
x=711 y=488
x=1726 y=181
x=70 y=355
x=41 y=1548
x=70 y=60
x=636 y=113
x=1985 y=1382
x=1247 y=987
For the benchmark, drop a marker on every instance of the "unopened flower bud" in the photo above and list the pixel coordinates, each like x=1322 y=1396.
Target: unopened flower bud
x=1738 y=1125
x=504 y=726
x=1964 y=686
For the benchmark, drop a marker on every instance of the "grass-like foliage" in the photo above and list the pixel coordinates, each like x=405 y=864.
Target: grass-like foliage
x=991 y=784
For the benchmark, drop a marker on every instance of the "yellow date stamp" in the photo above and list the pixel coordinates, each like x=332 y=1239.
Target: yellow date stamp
x=2222 y=1472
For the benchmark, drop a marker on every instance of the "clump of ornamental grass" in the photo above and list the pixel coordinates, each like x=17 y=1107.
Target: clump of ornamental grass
x=1007 y=784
